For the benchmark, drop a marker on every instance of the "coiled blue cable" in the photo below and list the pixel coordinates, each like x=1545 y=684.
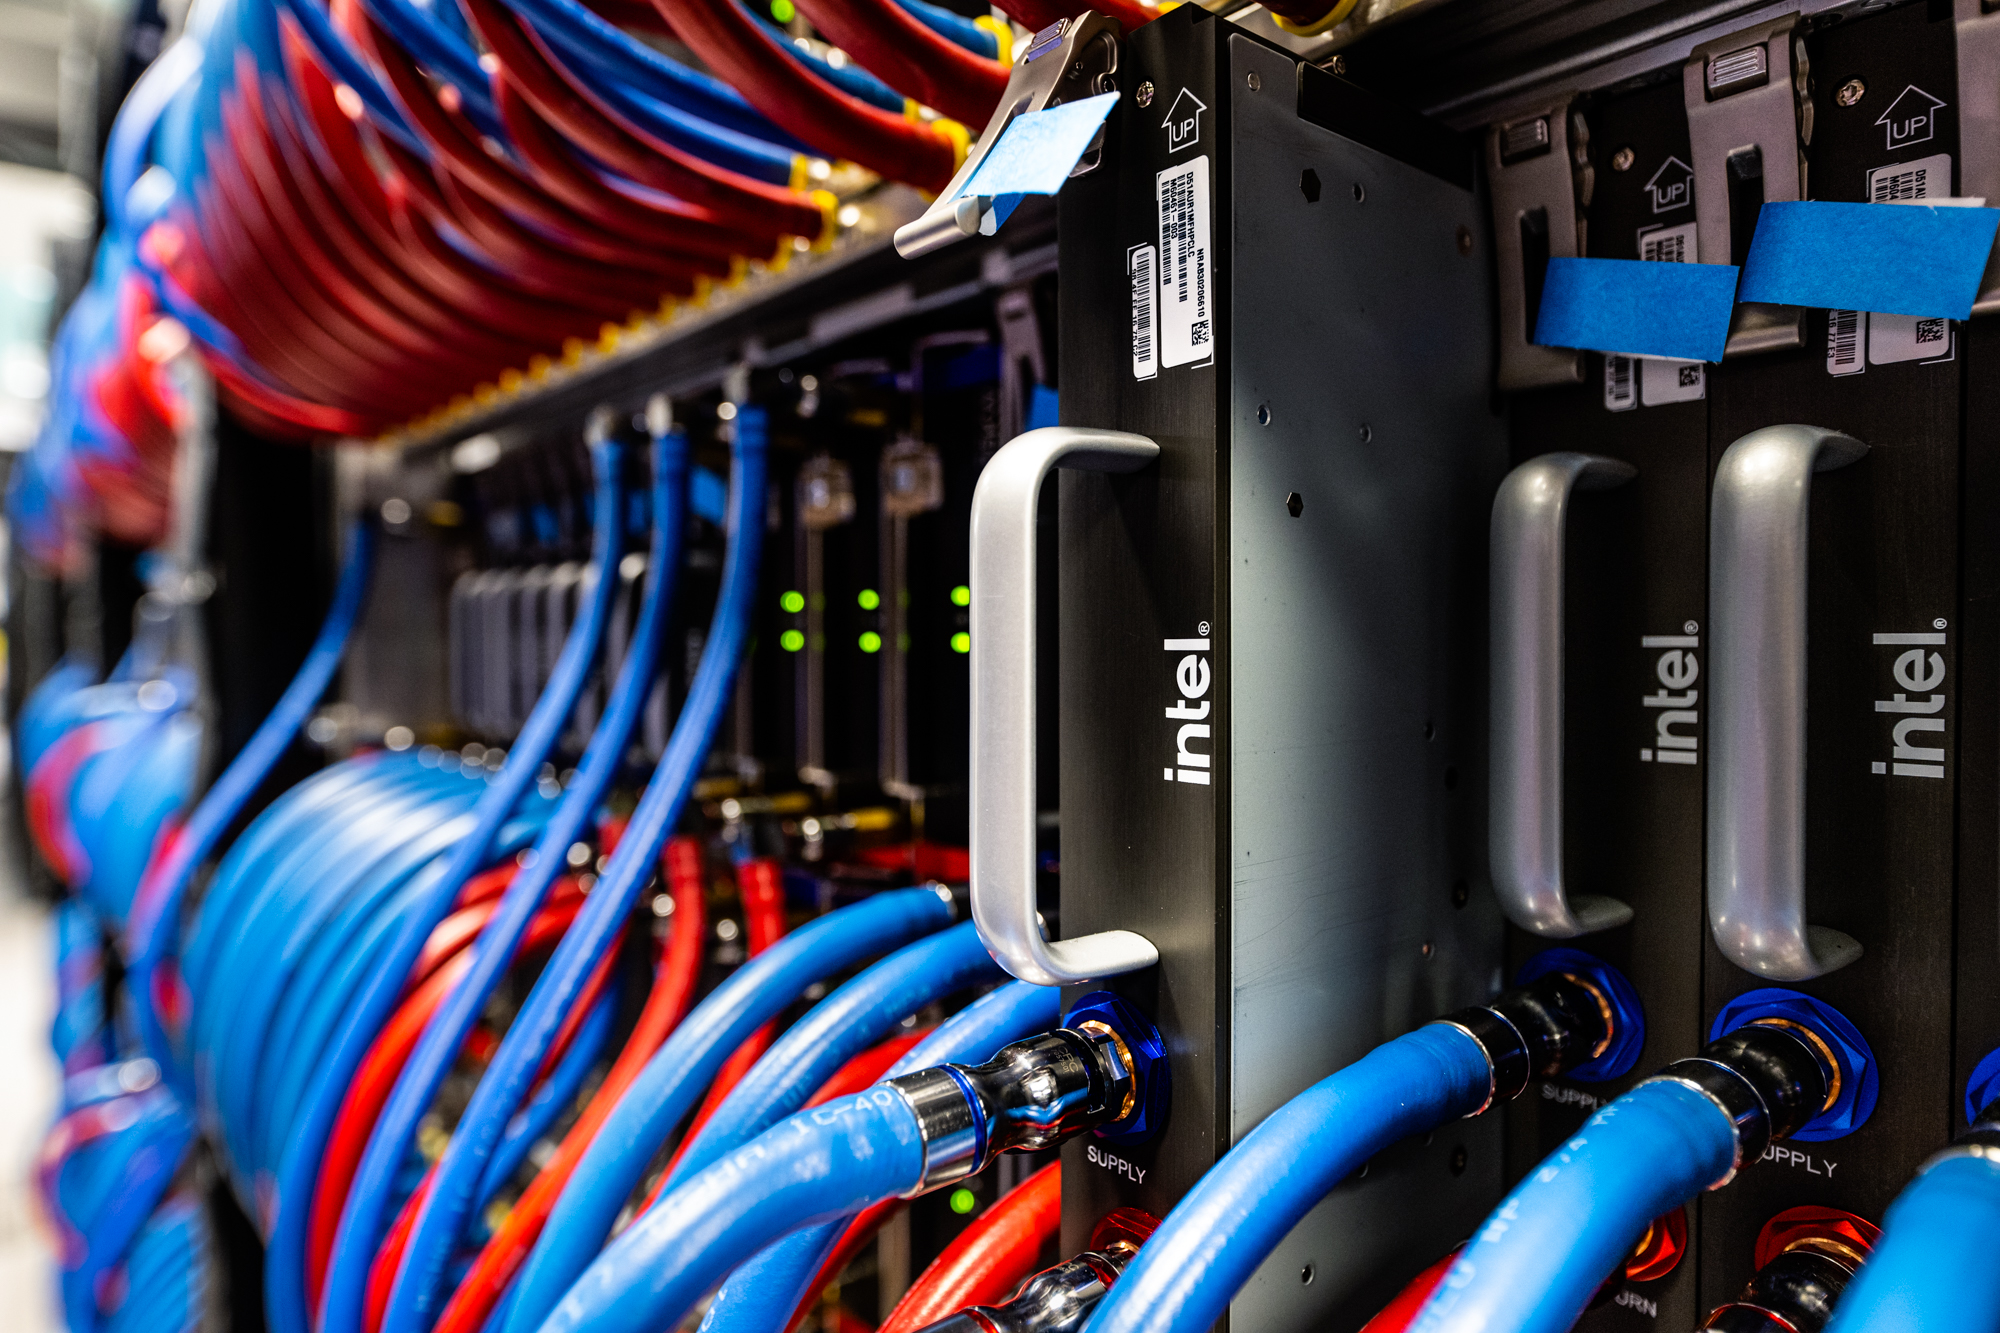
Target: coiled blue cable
x=1542 y=1254
x=673 y=1080
x=840 y=1027
x=762 y=1295
x=1933 y=1268
x=156 y=917
x=284 y=1269
x=412 y=1301
x=811 y=1167
x=367 y=1212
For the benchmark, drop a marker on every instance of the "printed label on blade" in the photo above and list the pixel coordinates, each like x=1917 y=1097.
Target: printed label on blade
x=1666 y=381
x=1186 y=320
x=1844 y=331
x=1667 y=245
x=1925 y=178
x=1621 y=390
x=1141 y=263
x=1893 y=338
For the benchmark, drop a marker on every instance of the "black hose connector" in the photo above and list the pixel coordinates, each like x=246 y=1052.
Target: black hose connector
x=1055 y=1300
x=1033 y=1095
x=1805 y=1259
x=1771 y=1078
x=1556 y=1022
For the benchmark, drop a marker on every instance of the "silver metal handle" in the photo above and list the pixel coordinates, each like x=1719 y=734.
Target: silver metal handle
x=1525 y=837
x=1003 y=707
x=1757 y=697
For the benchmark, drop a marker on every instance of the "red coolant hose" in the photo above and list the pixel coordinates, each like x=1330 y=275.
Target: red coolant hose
x=758 y=213
x=1034 y=15
x=332 y=141
x=738 y=49
x=760 y=885
x=450 y=944
x=990 y=1258
x=1400 y=1313
x=673 y=991
x=893 y=45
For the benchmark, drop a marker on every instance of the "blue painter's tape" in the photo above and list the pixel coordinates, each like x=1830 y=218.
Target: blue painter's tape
x=1894 y=259
x=1637 y=308
x=1036 y=151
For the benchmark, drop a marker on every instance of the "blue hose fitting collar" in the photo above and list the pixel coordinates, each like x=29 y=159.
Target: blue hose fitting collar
x=1983 y=1088
x=1145 y=1049
x=1627 y=1016
x=1854 y=1100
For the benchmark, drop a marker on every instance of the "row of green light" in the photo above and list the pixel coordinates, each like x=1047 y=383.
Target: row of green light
x=791 y=602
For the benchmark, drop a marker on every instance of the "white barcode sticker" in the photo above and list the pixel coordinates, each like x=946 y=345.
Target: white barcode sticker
x=1186 y=321
x=1663 y=380
x=1668 y=245
x=1925 y=178
x=1621 y=390
x=1893 y=338
x=1844 y=331
x=1141 y=262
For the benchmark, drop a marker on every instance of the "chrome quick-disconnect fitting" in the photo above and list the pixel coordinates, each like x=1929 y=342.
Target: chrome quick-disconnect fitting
x=1034 y=1094
x=1055 y=1300
x=1781 y=1065
x=1573 y=1014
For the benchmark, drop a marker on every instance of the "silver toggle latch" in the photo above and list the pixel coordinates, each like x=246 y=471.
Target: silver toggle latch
x=1071 y=58
x=1748 y=123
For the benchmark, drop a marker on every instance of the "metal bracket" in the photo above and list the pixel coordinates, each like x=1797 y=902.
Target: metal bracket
x=1979 y=124
x=1075 y=57
x=1534 y=209
x=1748 y=119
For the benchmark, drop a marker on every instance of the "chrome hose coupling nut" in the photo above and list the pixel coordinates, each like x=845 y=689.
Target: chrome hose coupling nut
x=1035 y=1094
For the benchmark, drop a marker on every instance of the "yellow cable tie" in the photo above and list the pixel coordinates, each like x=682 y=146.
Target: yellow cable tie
x=1003 y=37
x=1332 y=18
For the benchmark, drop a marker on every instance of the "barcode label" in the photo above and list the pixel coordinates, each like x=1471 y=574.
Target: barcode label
x=1663 y=381
x=1925 y=178
x=1843 y=342
x=1668 y=245
x=1893 y=338
x=1187 y=324
x=1141 y=262
x=1621 y=393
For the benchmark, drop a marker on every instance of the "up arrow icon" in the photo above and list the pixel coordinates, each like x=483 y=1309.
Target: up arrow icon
x=1183 y=122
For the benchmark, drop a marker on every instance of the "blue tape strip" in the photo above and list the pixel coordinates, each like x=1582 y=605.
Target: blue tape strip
x=1036 y=151
x=1637 y=308
x=1895 y=259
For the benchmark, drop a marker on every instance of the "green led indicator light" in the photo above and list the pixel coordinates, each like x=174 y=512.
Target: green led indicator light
x=791 y=640
x=961 y=596
x=871 y=642
x=961 y=642
x=793 y=602
x=783 y=11
x=869 y=599
x=963 y=1201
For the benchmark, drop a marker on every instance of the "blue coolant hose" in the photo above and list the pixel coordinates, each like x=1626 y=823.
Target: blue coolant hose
x=371 y=1197
x=419 y=1287
x=1192 y=1267
x=674 y=1079
x=156 y=913
x=383 y=985
x=1933 y=1267
x=1536 y=1262
x=762 y=1295
x=840 y=1027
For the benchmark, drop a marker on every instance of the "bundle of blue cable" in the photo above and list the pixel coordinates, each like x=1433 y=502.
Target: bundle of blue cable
x=305 y=940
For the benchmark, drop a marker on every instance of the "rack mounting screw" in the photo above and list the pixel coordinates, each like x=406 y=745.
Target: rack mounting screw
x=1254 y=82
x=1144 y=93
x=1623 y=159
x=1851 y=92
